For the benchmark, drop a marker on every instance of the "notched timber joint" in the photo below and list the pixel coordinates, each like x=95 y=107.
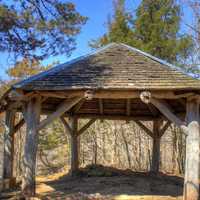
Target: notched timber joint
x=89 y=95
x=146 y=97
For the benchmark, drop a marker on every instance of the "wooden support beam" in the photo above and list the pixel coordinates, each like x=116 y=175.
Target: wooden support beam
x=66 y=125
x=73 y=122
x=128 y=107
x=115 y=94
x=86 y=126
x=147 y=130
x=164 y=128
x=101 y=106
x=191 y=182
x=156 y=135
x=153 y=110
x=60 y=95
x=113 y=117
x=8 y=144
x=101 y=110
x=164 y=109
x=78 y=106
x=30 y=148
x=156 y=148
x=62 y=108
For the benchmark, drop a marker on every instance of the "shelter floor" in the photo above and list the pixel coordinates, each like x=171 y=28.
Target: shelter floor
x=95 y=184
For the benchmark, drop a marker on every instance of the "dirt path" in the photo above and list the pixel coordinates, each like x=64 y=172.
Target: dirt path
x=124 y=186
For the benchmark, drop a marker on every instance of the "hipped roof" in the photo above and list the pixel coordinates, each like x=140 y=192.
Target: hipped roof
x=115 y=66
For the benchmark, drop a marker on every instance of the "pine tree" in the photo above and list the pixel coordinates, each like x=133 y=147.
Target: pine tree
x=118 y=27
x=38 y=28
x=155 y=29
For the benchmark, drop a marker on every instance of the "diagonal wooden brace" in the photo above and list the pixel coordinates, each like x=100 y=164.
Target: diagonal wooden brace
x=164 y=109
x=62 y=108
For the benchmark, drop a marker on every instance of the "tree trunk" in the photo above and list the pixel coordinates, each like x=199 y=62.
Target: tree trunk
x=30 y=148
x=127 y=148
x=191 y=183
x=8 y=144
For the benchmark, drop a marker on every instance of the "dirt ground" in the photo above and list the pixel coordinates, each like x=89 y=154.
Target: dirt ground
x=110 y=184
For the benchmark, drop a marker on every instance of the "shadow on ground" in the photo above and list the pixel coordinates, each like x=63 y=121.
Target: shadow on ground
x=98 y=182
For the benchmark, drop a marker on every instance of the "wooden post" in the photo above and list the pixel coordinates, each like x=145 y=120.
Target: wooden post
x=30 y=148
x=156 y=148
x=73 y=122
x=191 y=182
x=8 y=144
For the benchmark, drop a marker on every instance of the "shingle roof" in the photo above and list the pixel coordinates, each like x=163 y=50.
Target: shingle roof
x=115 y=66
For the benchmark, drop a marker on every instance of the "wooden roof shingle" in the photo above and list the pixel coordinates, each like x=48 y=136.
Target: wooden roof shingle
x=115 y=66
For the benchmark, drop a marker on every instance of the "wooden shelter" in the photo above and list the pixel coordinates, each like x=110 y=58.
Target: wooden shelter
x=117 y=82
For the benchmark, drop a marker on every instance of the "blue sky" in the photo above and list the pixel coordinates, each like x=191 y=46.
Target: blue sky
x=97 y=11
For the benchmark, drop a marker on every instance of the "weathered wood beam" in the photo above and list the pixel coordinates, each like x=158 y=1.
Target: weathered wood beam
x=60 y=95
x=66 y=125
x=101 y=106
x=30 y=148
x=78 y=106
x=8 y=144
x=182 y=102
x=147 y=130
x=161 y=105
x=73 y=122
x=101 y=109
x=13 y=105
x=62 y=108
x=113 y=117
x=115 y=94
x=16 y=96
x=89 y=94
x=128 y=107
x=85 y=127
x=191 y=182
x=164 y=128
x=153 y=110
x=156 y=147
